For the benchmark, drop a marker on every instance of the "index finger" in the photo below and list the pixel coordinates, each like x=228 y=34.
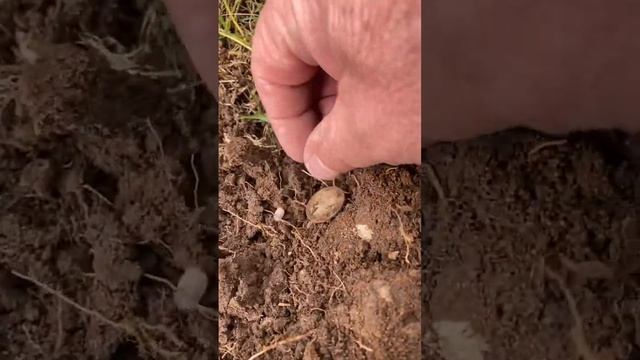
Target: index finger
x=283 y=80
x=196 y=23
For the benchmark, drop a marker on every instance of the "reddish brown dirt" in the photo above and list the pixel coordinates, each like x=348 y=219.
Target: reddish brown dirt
x=352 y=298
x=523 y=236
x=93 y=206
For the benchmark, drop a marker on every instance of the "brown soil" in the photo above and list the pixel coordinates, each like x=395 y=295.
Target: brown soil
x=533 y=255
x=97 y=184
x=320 y=288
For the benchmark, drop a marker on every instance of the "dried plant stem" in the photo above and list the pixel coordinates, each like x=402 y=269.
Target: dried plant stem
x=279 y=343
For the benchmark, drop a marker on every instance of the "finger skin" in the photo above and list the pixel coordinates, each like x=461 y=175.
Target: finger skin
x=367 y=108
x=283 y=80
x=555 y=66
x=196 y=22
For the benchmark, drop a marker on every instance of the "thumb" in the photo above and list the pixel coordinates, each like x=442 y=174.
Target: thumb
x=337 y=144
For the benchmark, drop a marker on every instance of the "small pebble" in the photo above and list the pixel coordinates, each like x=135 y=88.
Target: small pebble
x=190 y=289
x=364 y=232
x=393 y=255
x=278 y=214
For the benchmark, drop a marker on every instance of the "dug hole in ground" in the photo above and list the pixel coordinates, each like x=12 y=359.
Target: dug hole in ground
x=348 y=288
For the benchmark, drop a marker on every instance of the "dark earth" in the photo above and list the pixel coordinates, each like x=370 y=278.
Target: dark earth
x=108 y=170
x=107 y=176
x=533 y=251
x=321 y=290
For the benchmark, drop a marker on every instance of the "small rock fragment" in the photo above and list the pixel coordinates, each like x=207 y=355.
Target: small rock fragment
x=190 y=289
x=364 y=232
x=393 y=255
x=278 y=214
x=325 y=204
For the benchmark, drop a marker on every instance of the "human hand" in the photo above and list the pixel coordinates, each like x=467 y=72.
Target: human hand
x=555 y=67
x=196 y=24
x=340 y=81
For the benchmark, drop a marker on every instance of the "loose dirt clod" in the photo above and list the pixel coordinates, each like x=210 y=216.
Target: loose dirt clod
x=96 y=184
x=325 y=204
x=278 y=214
x=364 y=232
x=191 y=287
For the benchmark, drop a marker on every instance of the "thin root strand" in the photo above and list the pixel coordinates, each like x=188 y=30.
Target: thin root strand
x=277 y=344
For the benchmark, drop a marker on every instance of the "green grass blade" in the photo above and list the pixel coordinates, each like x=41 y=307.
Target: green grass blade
x=233 y=19
x=235 y=38
x=261 y=118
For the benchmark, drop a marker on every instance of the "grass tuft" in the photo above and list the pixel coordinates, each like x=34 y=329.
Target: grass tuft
x=236 y=26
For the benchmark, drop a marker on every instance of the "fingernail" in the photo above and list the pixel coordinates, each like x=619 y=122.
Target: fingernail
x=319 y=170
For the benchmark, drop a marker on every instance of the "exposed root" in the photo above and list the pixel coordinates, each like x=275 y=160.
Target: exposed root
x=160 y=280
x=229 y=350
x=355 y=178
x=408 y=240
x=299 y=237
x=267 y=230
x=207 y=312
x=344 y=287
x=98 y=194
x=546 y=144
x=362 y=346
x=35 y=345
x=435 y=181
x=196 y=185
x=158 y=139
x=123 y=61
x=277 y=344
x=296 y=234
x=577 y=331
x=233 y=253
x=309 y=175
x=60 y=337
x=135 y=329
